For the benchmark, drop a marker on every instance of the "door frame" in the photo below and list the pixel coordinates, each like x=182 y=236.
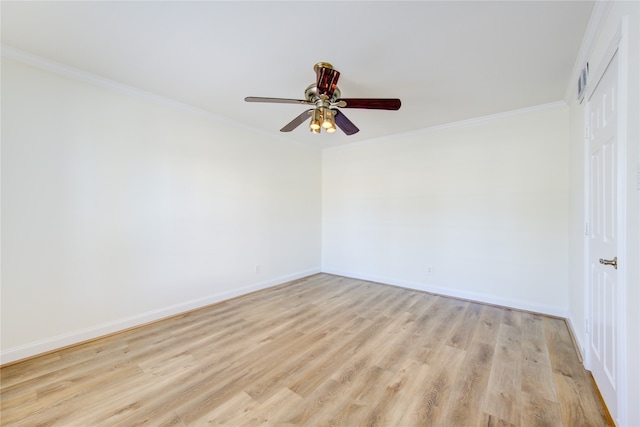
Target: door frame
x=618 y=44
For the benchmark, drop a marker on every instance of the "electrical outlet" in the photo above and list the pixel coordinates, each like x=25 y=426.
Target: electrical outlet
x=257 y=268
x=429 y=270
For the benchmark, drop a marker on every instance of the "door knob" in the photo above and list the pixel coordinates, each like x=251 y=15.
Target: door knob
x=613 y=262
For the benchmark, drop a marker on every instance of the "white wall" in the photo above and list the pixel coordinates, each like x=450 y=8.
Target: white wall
x=117 y=211
x=485 y=204
x=595 y=53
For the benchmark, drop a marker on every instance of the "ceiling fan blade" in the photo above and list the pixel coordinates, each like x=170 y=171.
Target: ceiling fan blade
x=344 y=123
x=277 y=100
x=369 y=103
x=297 y=121
x=326 y=80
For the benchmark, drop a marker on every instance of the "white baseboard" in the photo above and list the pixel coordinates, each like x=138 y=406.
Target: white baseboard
x=60 y=341
x=455 y=293
x=577 y=338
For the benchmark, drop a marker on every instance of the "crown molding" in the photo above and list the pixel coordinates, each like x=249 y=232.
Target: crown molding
x=459 y=124
x=73 y=73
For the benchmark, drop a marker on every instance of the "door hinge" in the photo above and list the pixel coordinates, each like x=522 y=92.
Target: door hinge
x=586 y=132
x=586 y=326
x=586 y=228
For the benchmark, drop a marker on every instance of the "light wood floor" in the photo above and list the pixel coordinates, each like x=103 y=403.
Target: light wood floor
x=320 y=351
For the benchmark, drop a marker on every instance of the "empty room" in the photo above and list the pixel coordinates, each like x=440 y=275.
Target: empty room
x=320 y=213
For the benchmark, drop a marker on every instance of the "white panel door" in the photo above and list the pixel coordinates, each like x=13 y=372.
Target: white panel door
x=603 y=146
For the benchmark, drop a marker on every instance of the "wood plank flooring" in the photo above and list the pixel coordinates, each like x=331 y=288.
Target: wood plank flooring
x=320 y=351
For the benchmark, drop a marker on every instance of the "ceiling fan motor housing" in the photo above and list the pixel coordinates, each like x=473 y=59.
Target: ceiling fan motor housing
x=311 y=94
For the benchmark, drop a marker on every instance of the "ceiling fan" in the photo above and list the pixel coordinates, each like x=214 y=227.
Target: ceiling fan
x=324 y=97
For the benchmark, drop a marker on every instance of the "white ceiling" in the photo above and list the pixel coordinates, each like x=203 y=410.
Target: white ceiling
x=446 y=60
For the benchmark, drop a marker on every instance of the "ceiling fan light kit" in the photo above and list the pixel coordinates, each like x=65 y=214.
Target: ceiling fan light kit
x=325 y=98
